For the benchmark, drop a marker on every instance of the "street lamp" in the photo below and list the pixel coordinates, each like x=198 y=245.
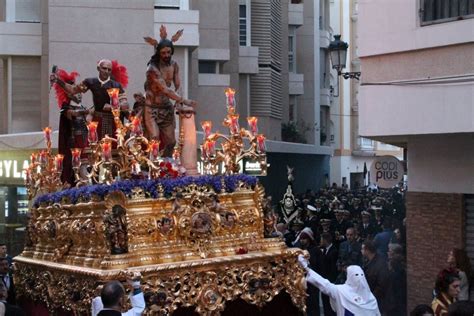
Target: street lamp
x=338 y=54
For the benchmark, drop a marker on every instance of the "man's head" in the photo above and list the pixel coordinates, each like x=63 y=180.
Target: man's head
x=4 y=268
x=368 y=250
x=104 y=66
x=3 y=249
x=365 y=217
x=350 y=235
x=112 y=295
x=165 y=52
x=326 y=239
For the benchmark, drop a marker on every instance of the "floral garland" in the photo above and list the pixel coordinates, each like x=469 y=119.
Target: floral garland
x=150 y=187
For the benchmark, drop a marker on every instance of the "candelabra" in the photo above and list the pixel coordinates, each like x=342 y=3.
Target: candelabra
x=233 y=149
x=43 y=175
x=128 y=155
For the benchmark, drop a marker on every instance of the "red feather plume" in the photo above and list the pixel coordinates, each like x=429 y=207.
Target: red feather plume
x=61 y=95
x=119 y=73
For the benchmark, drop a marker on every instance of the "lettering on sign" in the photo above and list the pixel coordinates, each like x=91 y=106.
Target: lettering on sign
x=13 y=168
x=386 y=171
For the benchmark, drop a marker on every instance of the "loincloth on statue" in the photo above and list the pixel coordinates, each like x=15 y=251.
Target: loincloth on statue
x=163 y=116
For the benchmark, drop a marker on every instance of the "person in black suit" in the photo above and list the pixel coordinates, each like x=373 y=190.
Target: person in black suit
x=7 y=279
x=328 y=268
x=10 y=309
x=112 y=297
x=367 y=229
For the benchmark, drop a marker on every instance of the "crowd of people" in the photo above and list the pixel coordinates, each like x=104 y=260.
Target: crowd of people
x=343 y=229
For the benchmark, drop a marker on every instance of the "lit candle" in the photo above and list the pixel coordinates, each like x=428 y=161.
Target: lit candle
x=58 y=162
x=106 y=150
x=230 y=99
x=76 y=157
x=252 y=120
x=92 y=128
x=261 y=143
x=33 y=158
x=234 y=123
x=206 y=128
x=154 y=148
x=211 y=147
x=47 y=134
x=113 y=94
x=204 y=152
x=43 y=158
x=136 y=126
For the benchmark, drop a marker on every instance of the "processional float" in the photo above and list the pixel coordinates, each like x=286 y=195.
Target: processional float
x=197 y=240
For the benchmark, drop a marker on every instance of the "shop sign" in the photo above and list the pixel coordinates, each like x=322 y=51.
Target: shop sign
x=12 y=168
x=386 y=171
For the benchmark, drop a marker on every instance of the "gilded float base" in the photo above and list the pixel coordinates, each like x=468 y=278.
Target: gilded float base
x=205 y=284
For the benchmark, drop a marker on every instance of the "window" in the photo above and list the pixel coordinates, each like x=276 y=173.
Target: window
x=292 y=109
x=243 y=25
x=439 y=11
x=22 y=11
x=208 y=67
x=291 y=49
x=167 y=4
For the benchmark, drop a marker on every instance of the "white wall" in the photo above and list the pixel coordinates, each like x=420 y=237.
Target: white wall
x=442 y=163
x=409 y=110
x=387 y=26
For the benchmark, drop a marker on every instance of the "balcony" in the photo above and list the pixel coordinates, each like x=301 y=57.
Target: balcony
x=296 y=84
x=248 y=60
x=176 y=20
x=295 y=14
x=20 y=39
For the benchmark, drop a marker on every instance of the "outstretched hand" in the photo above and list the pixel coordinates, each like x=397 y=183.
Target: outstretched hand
x=53 y=78
x=303 y=261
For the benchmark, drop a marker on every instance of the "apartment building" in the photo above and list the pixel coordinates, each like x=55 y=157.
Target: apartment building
x=271 y=51
x=351 y=151
x=417 y=92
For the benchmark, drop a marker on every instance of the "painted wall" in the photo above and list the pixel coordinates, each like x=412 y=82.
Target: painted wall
x=409 y=110
x=393 y=26
x=441 y=163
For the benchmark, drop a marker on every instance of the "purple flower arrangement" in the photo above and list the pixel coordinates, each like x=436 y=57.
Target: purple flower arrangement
x=150 y=187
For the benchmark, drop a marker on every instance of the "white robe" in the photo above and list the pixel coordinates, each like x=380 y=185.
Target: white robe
x=354 y=295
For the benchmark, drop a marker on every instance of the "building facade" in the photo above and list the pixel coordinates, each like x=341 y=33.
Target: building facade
x=270 y=51
x=351 y=150
x=417 y=92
